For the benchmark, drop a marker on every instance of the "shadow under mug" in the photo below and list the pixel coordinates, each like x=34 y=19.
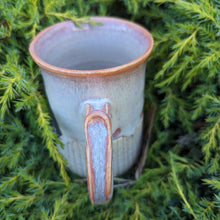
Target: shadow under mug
x=94 y=79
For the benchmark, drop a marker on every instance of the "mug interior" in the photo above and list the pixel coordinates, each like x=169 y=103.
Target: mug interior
x=104 y=46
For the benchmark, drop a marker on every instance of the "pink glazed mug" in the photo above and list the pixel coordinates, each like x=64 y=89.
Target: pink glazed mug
x=94 y=79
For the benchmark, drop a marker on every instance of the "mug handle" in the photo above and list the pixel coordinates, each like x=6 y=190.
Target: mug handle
x=98 y=153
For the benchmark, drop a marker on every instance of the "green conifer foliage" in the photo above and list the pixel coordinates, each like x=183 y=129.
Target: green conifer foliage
x=181 y=177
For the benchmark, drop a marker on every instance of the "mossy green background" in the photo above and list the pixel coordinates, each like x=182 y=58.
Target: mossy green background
x=181 y=179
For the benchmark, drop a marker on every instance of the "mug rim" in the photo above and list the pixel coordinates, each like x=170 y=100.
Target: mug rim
x=99 y=72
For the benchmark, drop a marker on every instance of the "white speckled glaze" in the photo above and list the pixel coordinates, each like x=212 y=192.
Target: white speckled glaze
x=95 y=65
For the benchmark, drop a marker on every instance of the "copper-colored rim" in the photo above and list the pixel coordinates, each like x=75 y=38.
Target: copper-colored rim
x=108 y=71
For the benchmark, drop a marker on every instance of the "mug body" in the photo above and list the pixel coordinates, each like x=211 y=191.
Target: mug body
x=125 y=93
x=94 y=78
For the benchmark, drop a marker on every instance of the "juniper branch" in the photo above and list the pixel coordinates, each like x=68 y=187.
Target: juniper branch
x=179 y=187
x=50 y=138
x=179 y=49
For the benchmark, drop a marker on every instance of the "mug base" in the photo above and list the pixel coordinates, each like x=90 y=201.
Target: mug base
x=126 y=150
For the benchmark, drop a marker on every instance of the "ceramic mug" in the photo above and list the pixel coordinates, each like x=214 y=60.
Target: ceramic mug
x=94 y=79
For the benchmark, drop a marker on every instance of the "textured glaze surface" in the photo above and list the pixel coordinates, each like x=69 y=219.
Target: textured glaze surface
x=94 y=66
x=124 y=92
x=98 y=142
